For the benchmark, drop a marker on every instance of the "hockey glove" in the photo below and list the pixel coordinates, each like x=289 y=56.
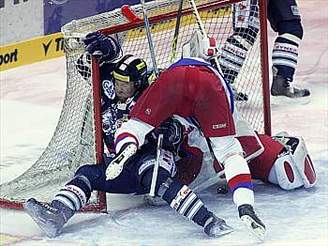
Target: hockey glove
x=172 y=131
x=116 y=166
x=102 y=47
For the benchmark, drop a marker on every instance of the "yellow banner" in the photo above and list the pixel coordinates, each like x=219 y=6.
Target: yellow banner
x=30 y=51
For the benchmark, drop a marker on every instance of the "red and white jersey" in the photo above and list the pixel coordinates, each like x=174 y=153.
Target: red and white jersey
x=189 y=88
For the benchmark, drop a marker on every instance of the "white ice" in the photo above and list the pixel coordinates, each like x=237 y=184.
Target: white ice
x=31 y=100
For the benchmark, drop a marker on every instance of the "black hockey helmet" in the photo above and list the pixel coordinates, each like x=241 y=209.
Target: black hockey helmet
x=131 y=69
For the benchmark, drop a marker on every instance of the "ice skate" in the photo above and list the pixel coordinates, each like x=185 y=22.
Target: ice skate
x=282 y=87
x=115 y=168
x=250 y=219
x=216 y=227
x=49 y=218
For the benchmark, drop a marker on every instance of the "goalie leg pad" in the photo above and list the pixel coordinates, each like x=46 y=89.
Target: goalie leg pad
x=293 y=168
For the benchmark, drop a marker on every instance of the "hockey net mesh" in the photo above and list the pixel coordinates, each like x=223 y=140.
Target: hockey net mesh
x=73 y=142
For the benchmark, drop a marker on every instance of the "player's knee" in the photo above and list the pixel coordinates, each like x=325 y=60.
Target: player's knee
x=293 y=167
x=170 y=189
x=90 y=171
x=166 y=169
x=292 y=27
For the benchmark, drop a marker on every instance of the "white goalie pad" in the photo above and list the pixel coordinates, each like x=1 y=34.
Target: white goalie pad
x=200 y=47
x=293 y=168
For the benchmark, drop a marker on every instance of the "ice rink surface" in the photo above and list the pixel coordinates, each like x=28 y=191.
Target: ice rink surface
x=31 y=99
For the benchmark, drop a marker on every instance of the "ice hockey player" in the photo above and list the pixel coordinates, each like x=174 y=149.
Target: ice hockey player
x=281 y=160
x=191 y=87
x=117 y=100
x=126 y=78
x=285 y=19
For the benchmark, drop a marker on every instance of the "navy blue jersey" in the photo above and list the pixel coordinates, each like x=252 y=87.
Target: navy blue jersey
x=113 y=111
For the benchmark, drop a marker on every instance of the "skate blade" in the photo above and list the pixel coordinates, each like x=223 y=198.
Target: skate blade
x=282 y=100
x=223 y=231
x=31 y=209
x=256 y=229
x=116 y=166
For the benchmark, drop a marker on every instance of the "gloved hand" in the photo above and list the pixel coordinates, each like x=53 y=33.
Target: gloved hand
x=173 y=134
x=102 y=47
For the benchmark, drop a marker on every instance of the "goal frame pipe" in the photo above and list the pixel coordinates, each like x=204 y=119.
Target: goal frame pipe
x=265 y=67
x=99 y=143
x=163 y=17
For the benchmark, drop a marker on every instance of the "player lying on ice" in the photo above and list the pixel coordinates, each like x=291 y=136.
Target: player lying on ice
x=122 y=83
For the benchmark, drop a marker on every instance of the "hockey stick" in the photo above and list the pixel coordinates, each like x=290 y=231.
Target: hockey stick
x=176 y=33
x=150 y=41
x=198 y=19
x=156 y=166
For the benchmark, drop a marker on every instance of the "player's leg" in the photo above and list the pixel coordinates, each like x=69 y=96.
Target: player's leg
x=180 y=197
x=218 y=125
x=285 y=19
x=51 y=217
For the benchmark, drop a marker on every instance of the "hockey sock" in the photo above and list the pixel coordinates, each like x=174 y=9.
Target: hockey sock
x=285 y=55
x=75 y=193
x=232 y=58
x=239 y=180
x=182 y=199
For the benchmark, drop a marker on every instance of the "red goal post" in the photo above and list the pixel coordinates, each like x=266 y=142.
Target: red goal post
x=77 y=139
